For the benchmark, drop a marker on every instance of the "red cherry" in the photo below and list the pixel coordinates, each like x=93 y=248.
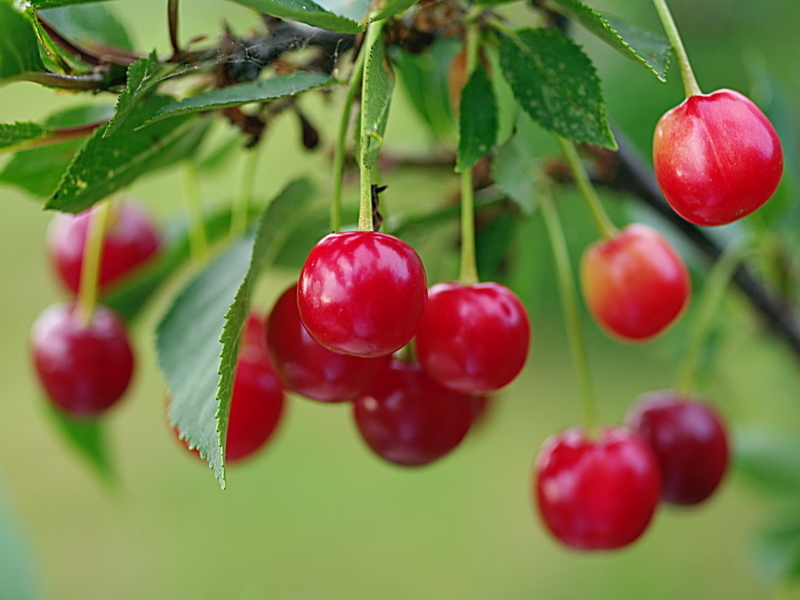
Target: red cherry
x=689 y=439
x=131 y=240
x=717 y=158
x=473 y=338
x=310 y=369
x=85 y=369
x=409 y=419
x=362 y=293
x=635 y=285
x=597 y=494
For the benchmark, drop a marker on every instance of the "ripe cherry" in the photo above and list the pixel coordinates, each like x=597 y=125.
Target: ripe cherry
x=717 y=158
x=473 y=338
x=131 y=240
x=597 y=494
x=635 y=284
x=362 y=293
x=689 y=439
x=84 y=368
x=312 y=370
x=408 y=419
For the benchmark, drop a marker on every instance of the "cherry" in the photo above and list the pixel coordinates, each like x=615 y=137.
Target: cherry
x=362 y=293
x=84 y=368
x=130 y=241
x=473 y=338
x=717 y=158
x=689 y=439
x=597 y=494
x=309 y=369
x=410 y=420
x=635 y=284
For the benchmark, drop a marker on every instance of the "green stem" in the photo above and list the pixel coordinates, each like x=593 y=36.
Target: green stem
x=341 y=141
x=90 y=269
x=707 y=308
x=690 y=85
x=93 y=81
x=604 y=225
x=569 y=306
x=198 y=243
x=241 y=207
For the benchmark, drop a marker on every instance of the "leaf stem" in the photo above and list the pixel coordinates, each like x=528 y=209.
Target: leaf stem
x=604 y=225
x=707 y=308
x=90 y=267
x=198 y=243
x=690 y=85
x=173 y=15
x=92 y=81
x=241 y=207
x=569 y=305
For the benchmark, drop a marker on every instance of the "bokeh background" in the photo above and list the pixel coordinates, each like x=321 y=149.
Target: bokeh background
x=316 y=516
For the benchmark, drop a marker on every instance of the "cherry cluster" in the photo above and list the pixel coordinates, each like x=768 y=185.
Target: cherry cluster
x=81 y=351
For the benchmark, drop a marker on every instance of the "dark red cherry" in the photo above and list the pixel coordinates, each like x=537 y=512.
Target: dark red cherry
x=131 y=240
x=310 y=369
x=690 y=440
x=635 y=285
x=362 y=293
x=717 y=158
x=408 y=419
x=473 y=338
x=597 y=494
x=84 y=368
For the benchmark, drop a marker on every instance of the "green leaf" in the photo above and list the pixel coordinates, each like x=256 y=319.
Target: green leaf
x=305 y=11
x=207 y=317
x=14 y=134
x=778 y=548
x=17 y=579
x=644 y=47
x=88 y=438
x=477 y=120
x=376 y=97
x=770 y=460
x=514 y=169
x=19 y=47
x=39 y=170
x=107 y=164
x=143 y=77
x=88 y=25
x=392 y=8
x=42 y=4
x=245 y=93
x=556 y=84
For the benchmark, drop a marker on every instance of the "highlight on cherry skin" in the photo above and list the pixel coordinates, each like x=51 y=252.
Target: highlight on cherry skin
x=596 y=494
x=309 y=369
x=690 y=440
x=362 y=293
x=717 y=158
x=635 y=285
x=85 y=368
x=131 y=239
x=408 y=419
x=473 y=339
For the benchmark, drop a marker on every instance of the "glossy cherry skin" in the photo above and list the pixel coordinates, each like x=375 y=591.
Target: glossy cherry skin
x=717 y=158
x=85 y=369
x=310 y=369
x=131 y=240
x=408 y=419
x=597 y=494
x=473 y=338
x=690 y=440
x=635 y=285
x=362 y=293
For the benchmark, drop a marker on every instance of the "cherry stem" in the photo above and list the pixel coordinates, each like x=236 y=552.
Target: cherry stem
x=569 y=305
x=90 y=268
x=341 y=142
x=198 y=243
x=714 y=289
x=173 y=17
x=241 y=207
x=690 y=84
x=468 y=274
x=602 y=221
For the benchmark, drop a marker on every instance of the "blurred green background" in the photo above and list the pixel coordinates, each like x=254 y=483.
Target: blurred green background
x=317 y=516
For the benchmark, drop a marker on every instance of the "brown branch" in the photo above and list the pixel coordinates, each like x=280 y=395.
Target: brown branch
x=106 y=54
